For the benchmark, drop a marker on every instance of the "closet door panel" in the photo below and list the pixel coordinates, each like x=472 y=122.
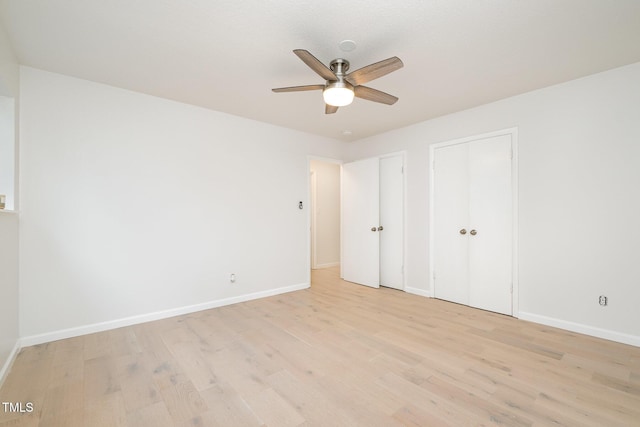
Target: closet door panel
x=490 y=223
x=392 y=221
x=451 y=219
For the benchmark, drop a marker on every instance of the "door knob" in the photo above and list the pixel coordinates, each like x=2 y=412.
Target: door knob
x=373 y=228
x=463 y=231
x=380 y=228
x=473 y=232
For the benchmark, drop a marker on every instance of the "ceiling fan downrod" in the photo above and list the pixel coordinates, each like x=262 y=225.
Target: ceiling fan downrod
x=339 y=67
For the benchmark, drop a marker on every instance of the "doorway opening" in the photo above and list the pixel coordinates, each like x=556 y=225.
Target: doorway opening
x=324 y=203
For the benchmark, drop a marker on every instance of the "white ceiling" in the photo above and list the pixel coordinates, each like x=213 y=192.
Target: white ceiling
x=226 y=55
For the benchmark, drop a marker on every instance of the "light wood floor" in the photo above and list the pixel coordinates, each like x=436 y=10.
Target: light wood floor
x=337 y=354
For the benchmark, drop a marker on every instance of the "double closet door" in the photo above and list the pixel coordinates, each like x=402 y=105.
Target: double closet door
x=473 y=223
x=372 y=222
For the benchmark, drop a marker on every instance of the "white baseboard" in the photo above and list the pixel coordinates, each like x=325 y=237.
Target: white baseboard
x=9 y=362
x=582 y=329
x=133 y=320
x=327 y=265
x=418 y=291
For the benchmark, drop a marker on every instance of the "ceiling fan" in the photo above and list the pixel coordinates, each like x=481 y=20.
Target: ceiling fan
x=340 y=88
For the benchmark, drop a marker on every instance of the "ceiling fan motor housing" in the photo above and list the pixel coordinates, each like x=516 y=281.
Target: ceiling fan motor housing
x=339 y=66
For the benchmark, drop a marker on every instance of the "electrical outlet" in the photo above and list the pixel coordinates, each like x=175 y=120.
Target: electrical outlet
x=602 y=300
x=232 y=277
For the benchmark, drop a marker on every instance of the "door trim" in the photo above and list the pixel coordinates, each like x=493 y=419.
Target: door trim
x=513 y=132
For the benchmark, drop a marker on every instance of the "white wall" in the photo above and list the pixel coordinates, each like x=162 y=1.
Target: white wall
x=9 y=72
x=9 y=93
x=9 y=330
x=327 y=213
x=579 y=171
x=7 y=150
x=132 y=205
x=8 y=288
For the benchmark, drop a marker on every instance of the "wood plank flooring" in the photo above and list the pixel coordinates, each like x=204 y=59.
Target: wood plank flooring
x=337 y=354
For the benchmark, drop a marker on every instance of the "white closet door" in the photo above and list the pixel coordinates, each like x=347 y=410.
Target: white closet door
x=392 y=221
x=490 y=213
x=360 y=220
x=451 y=220
x=473 y=223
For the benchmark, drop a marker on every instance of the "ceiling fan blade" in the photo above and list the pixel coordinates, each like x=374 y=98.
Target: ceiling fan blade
x=330 y=109
x=298 y=88
x=374 y=95
x=374 y=71
x=315 y=64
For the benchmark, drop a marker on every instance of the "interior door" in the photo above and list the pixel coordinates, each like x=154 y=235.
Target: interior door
x=360 y=203
x=392 y=222
x=490 y=213
x=451 y=219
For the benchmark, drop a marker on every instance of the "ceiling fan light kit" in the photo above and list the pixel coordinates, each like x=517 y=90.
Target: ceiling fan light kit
x=340 y=88
x=338 y=94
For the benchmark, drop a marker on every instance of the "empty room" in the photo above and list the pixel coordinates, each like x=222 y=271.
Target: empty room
x=338 y=213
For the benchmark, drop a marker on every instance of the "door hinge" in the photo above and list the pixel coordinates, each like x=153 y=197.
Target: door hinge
x=511 y=287
x=402 y=169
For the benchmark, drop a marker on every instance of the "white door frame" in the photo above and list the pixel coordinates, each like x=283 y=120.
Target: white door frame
x=404 y=211
x=514 y=188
